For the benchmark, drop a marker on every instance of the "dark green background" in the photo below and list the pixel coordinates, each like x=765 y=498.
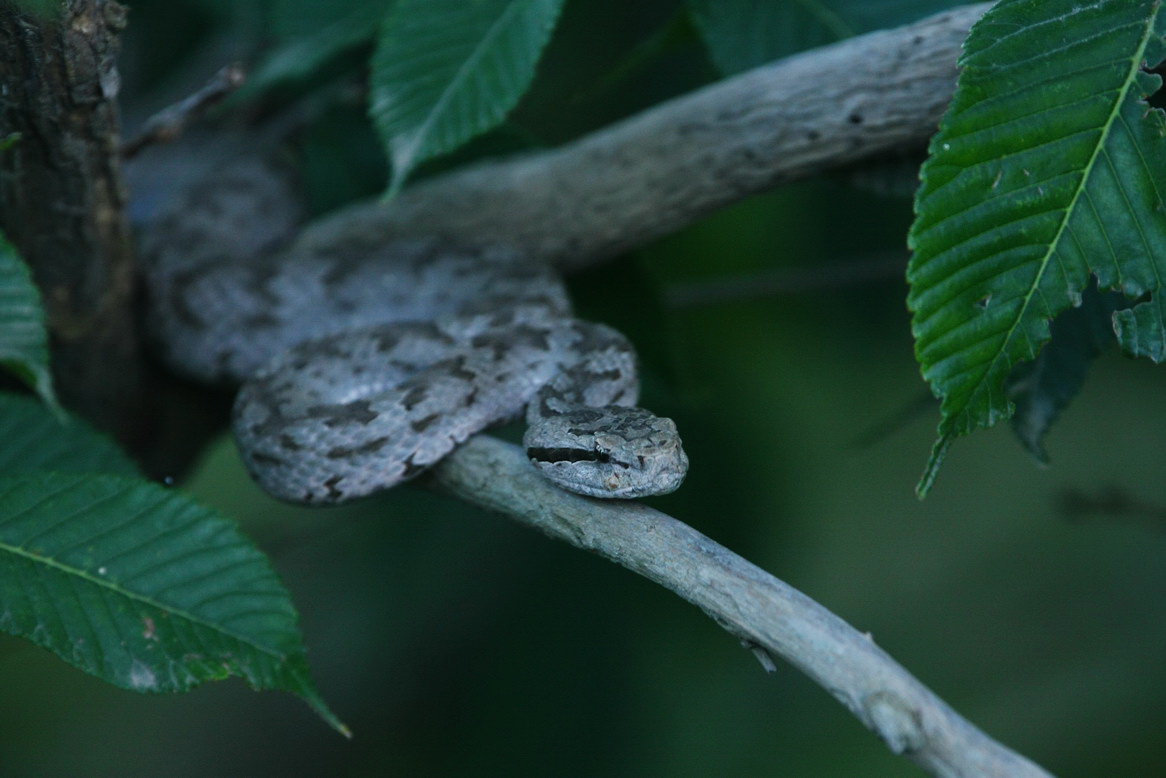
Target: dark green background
x=456 y=642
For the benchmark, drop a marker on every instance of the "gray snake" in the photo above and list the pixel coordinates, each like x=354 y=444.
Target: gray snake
x=361 y=364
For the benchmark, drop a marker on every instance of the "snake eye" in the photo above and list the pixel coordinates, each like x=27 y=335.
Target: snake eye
x=543 y=454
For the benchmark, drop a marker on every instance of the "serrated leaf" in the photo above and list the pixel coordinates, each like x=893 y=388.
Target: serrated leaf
x=1047 y=168
x=1041 y=389
x=32 y=438
x=24 y=339
x=143 y=588
x=445 y=71
x=743 y=34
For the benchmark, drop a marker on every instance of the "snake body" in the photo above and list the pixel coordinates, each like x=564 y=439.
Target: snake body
x=362 y=364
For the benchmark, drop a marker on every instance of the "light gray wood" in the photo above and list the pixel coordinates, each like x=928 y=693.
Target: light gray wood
x=767 y=615
x=666 y=167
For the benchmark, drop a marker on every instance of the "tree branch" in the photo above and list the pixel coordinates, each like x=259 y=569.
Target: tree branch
x=787 y=281
x=752 y=605
x=639 y=179
x=169 y=123
x=668 y=166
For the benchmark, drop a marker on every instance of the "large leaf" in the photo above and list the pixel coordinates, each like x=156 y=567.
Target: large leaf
x=445 y=71
x=1048 y=166
x=31 y=438
x=742 y=34
x=24 y=339
x=142 y=587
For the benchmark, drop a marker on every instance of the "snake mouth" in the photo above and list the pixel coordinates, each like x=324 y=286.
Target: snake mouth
x=543 y=454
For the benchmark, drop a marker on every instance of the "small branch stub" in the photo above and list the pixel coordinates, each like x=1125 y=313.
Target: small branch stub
x=169 y=123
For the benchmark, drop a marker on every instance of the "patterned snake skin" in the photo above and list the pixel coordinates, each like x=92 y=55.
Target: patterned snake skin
x=363 y=364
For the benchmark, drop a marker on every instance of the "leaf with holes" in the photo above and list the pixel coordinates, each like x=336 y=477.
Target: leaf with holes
x=24 y=340
x=32 y=438
x=743 y=34
x=1049 y=167
x=445 y=71
x=143 y=588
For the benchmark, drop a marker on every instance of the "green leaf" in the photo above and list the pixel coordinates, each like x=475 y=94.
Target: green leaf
x=143 y=588
x=743 y=34
x=32 y=438
x=1041 y=389
x=1048 y=166
x=24 y=339
x=445 y=71
x=287 y=19
x=303 y=55
x=45 y=9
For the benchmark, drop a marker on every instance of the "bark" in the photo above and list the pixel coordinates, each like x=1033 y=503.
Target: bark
x=62 y=202
x=668 y=166
x=768 y=615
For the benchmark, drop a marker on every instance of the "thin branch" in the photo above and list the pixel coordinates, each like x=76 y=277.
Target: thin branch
x=766 y=614
x=787 y=281
x=1112 y=503
x=169 y=123
x=670 y=165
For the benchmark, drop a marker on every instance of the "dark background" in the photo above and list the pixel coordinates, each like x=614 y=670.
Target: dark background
x=454 y=642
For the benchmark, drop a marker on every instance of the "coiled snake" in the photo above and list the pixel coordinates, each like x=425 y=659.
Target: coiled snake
x=363 y=364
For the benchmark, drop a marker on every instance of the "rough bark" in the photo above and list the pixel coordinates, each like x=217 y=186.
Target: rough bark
x=62 y=202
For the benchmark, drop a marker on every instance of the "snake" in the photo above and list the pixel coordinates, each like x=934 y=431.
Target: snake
x=361 y=363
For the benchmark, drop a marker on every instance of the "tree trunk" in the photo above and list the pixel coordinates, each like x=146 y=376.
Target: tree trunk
x=62 y=200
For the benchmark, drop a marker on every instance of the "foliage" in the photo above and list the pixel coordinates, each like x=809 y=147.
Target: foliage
x=1046 y=174
x=24 y=341
x=35 y=440
x=134 y=583
x=1048 y=167
x=1041 y=389
x=445 y=71
x=302 y=56
x=743 y=34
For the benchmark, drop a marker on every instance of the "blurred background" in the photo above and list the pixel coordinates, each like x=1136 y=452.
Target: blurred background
x=776 y=334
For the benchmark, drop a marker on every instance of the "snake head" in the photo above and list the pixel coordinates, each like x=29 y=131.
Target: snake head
x=611 y=452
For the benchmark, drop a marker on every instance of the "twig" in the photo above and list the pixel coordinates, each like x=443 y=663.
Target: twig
x=766 y=614
x=1113 y=502
x=786 y=281
x=169 y=123
x=668 y=166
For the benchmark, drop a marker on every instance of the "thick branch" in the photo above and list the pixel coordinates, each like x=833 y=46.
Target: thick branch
x=63 y=203
x=668 y=166
x=748 y=602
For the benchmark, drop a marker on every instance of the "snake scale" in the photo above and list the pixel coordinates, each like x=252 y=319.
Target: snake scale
x=362 y=364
